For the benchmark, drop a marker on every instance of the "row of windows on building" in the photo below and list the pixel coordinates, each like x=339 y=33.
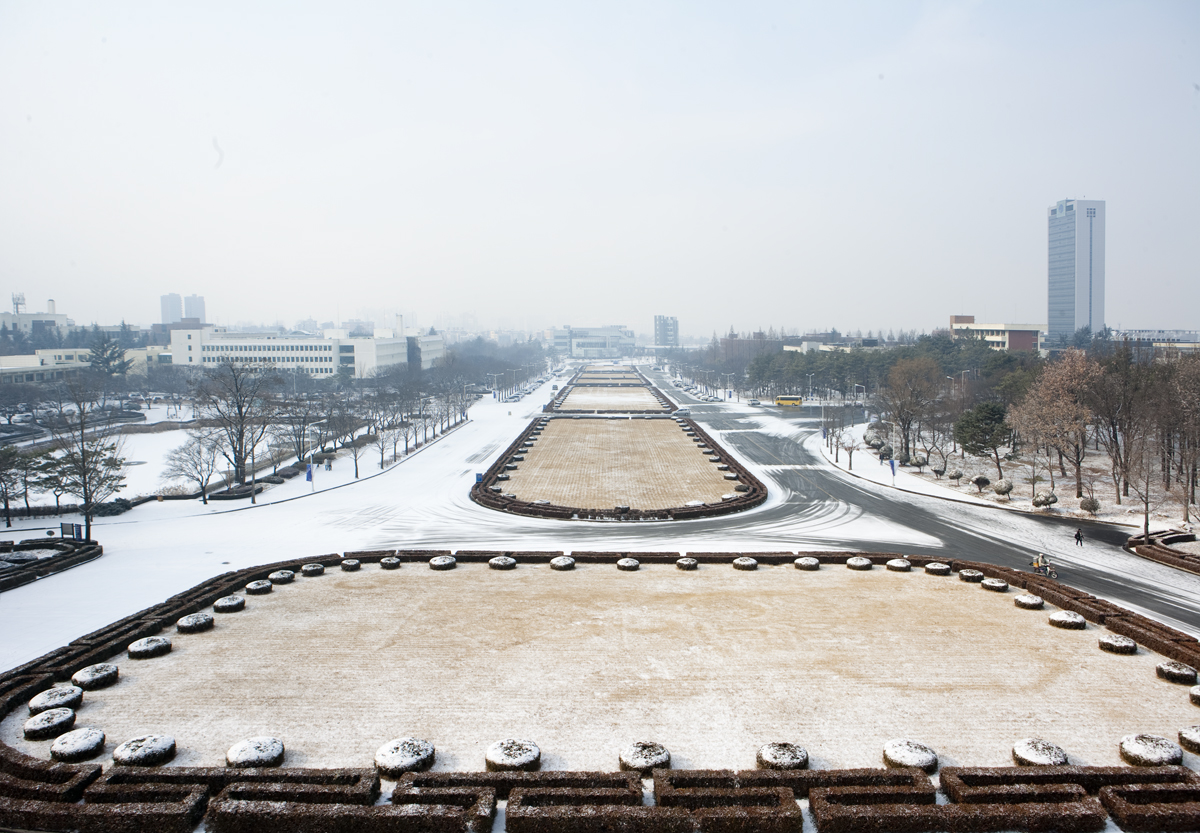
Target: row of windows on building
x=282 y=359
x=267 y=348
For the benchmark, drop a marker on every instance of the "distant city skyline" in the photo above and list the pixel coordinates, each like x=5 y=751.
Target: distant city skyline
x=864 y=165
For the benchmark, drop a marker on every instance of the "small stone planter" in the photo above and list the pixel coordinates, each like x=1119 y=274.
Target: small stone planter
x=1067 y=620
x=1150 y=750
x=687 y=564
x=282 y=577
x=502 y=562
x=391 y=562
x=255 y=752
x=899 y=565
x=936 y=568
x=513 y=755
x=259 y=588
x=1038 y=752
x=77 y=745
x=442 y=562
x=57 y=697
x=902 y=752
x=1028 y=601
x=1176 y=672
x=1114 y=644
x=628 y=565
x=402 y=755
x=312 y=570
x=229 y=604
x=94 y=677
x=857 y=562
x=973 y=576
x=195 y=623
x=996 y=585
x=644 y=757
x=150 y=647
x=49 y=724
x=562 y=562
x=745 y=563
x=147 y=750
x=807 y=562
x=783 y=756
x=351 y=565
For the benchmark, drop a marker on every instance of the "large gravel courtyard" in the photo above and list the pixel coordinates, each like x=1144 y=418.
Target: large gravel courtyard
x=582 y=398
x=712 y=663
x=602 y=463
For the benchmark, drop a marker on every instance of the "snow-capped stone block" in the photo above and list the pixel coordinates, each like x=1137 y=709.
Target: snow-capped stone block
x=628 y=564
x=282 y=577
x=58 y=697
x=562 y=562
x=195 y=623
x=1176 y=672
x=1068 y=620
x=937 y=568
x=1194 y=695
x=150 y=647
x=1038 y=752
x=1150 y=750
x=687 y=564
x=1028 y=601
x=512 y=754
x=442 y=562
x=49 y=724
x=899 y=565
x=502 y=562
x=350 y=565
x=996 y=585
x=645 y=756
x=402 y=755
x=857 y=562
x=255 y=752
x=229 y=604
x=310 y=570
x=390 y=562
x=147 y=750
x=93 y=677
x=745 y=562
x=1114 y=644
x=781 y=756
x=1189 y=739
x=807 y=562
x=77 y=745
x=973 y=576
x=260 y=587
x=902 y=752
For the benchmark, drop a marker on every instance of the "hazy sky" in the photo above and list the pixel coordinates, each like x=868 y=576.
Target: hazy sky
x=858 y=165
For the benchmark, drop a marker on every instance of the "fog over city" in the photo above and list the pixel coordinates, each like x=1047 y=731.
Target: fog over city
x=524 y=165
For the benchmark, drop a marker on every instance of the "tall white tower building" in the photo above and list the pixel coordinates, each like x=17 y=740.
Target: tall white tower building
x=1076 y=268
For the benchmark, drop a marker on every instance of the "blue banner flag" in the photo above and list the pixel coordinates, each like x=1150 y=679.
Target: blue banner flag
x=308 y=472
x=893 y=462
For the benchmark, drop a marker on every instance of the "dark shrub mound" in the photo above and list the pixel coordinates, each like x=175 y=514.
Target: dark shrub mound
x=442 y=562
x=905 y=753
x=562 y=562
x=973 y=576
x=502 y=562
x=745 y=563
x=94 y=677
x=148 y=750
x=1189 y=739
x=628 y=564
x=1038 y=752
x=273 y=479
x=644 y=756
x=259 y=588
x=311 y=570
x=1176 y=672
x=1068 y=620
x=781 y=756
x=899 y=565
x=807 y=562
x=996 y=585
x=58 y=697
x=402 y=755
x=1028 y=601
x=282 y=577
x=151 y=646
x=1114 y=644
x=350 y=565
x=49 y=724
x=255 y=752
x=510 y=755
x=1150 y=750
x=391 y=562
x=936 y=568
x=229 y=604
x=858 y=563
x=687 y=564
x=77 y=745
x=195 y=623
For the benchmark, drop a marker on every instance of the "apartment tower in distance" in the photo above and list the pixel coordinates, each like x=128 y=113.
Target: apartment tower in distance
x=193 y=307
x=666 y=331
x=1076 y=268
x=172 y=308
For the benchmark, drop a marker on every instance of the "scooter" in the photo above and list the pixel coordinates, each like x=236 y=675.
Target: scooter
x=1049 y=572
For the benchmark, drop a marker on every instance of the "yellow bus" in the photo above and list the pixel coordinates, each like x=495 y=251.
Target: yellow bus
x=789 y=401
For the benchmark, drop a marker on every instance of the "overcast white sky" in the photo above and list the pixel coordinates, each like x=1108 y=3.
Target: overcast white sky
x=858 y=165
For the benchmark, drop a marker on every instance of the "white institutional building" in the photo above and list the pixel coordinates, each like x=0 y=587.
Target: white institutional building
x=317 y=355
x=1076 y=268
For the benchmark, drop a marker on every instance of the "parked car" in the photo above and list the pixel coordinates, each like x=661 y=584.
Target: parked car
x=683 y=412
x=753 y=402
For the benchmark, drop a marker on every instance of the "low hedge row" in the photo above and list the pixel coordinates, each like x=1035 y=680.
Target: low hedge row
x=71 y=554
x=1159 y=549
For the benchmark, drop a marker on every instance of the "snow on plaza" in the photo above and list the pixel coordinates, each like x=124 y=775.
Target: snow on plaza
x=712 y=663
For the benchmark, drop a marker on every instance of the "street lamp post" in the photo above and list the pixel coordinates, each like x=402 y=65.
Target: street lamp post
x=810 y=378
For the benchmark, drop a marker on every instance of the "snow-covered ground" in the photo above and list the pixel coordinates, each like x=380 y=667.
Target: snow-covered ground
x=163 y=548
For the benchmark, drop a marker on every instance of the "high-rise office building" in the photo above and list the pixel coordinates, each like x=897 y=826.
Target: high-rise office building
x=1076 y=268
x=172 y=308
x=193 y=307
x=666 y=331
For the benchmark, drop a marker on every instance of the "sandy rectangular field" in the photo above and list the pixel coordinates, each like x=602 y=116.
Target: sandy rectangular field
x=582 y=398
x=602 y=463
x=712 y=663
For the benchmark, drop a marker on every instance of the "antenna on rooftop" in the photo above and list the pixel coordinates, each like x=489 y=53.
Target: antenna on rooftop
x=18 y=303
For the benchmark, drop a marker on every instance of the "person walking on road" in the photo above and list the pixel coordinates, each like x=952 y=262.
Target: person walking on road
x=1079 y=537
